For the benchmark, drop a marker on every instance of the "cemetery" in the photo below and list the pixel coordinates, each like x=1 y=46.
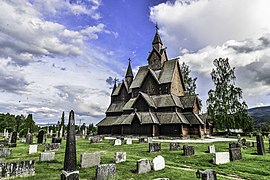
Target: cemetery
x=127 y=161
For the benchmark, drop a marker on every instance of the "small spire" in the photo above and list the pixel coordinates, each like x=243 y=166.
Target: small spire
x=129 y=70
x=114 y=86
x=157 y=39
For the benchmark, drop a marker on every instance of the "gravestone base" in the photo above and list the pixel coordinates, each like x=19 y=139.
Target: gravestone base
x=73 y=175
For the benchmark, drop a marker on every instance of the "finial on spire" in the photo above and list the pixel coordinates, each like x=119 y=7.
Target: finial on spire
x=129 y=60
x=156 y=27
x=115 y=80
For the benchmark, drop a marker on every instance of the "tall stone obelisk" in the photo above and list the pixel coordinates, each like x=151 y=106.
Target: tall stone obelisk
x=70 y=171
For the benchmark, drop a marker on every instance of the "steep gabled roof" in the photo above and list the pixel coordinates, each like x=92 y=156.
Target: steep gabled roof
x=129 y=72
x=157 y=38
x=164 y=100
x=140 y=76
x=116 y=107
x=117 y=90
x=188 y=101
x=107 y=121
x=153 y=50
x=129 y=104
x=124 y=119
x=147 y=118
x=167 y=72
x=193 y=118
x=147 y=98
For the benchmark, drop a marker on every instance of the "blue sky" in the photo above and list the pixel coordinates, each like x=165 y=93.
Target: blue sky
x=58 y=55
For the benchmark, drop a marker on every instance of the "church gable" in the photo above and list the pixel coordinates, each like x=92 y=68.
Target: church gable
x=177 y=85
x=121 y=93
x=150 y=84
x=154 y=60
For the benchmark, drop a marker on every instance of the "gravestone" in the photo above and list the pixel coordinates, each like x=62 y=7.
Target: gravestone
x=141 y=140
x=47 y=156
x=117 y=142
x=3 y=142
x=161 y=179
x=188 y=150
x=15 y=169
x=211 y=149
x=57 y=140
x=232 y=145
x=209 y=174
x=29 y=138
x=149 y=139
x=158 y=163
x=260 y=145
x=23 y=140
x=95 y=139
x=4 y=152
x=221 y=158
x=253 y=144
x=52 y=147
x=175 y=146
x=128 y=141
x=120 y=157
x=33 y=148
x=70 y=170
x=235 y=154
x=154 y=147
x=105 y=171
x=89 y=159
x=40 y=137
x=13 y=140
x=143 y=166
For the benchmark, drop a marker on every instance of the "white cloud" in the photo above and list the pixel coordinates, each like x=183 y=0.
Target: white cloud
x=204 y=30
x=200 y=23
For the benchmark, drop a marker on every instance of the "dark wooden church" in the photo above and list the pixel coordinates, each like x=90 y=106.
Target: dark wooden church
x=154 y=103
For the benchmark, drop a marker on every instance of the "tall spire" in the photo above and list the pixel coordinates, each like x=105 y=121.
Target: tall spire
x=129 y=73
x=157 y=43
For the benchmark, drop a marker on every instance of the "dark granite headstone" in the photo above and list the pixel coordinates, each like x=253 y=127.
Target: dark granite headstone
x=209 y=174
x=154 y=147
x=188 y=150
x=247 y=144
x=13 y=138
x=235 y=154
x=232 y=145
x=253 y=144
x=70 y=170
x=260 y=145
x=52 y=147
x=175 y=146
x=56 y=140
x=40 y=137
x=141 y=140
x=105 y=172
x=29 y=138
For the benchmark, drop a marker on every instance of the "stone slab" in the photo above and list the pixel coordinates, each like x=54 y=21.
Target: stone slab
x=158 y=163
x=33 y=148
x=175 y=146
x=73 y=175
x=47 y=156
x=105 y=172
x=128 y=141
x=120 y=157
x=89 y=159
x=52 y=147
x=235 y=154
x=154 y=147
x=15 y=169
x=117 y=142
x=221 y=158
x=143 y=166
x=4 y=152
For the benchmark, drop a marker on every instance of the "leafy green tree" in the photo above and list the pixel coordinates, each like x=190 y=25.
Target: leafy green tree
x=27 y=124
x=225 y=105
x=190 y=83
x=92 y=128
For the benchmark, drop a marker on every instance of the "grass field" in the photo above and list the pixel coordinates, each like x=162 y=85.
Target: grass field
x=251 y=167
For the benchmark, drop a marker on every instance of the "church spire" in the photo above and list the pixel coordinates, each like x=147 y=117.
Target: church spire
x=129 y=73
x=157 y=43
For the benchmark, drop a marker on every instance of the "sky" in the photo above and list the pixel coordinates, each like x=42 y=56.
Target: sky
x=59 y=55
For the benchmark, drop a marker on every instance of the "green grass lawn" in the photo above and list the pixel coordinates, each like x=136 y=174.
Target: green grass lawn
x=251 y=167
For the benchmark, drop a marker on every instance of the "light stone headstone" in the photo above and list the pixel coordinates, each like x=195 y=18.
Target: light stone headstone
x=23 y=140
x=120 y=157
x=211 y=149
x=105 y=172
x=47 y=156
x=161 y=179
x=128 y=141
x=13 y=169
x=33 y=148
x=117 y=142
x=143 y=166
x=51 y=132
x=221 y=157
x=158 y=163
x=89 y=159
x=149 y=139
x=209 y=174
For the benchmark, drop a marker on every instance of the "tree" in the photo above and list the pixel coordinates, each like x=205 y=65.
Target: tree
x=27 y=124
x=225 y=104
x=189 y=82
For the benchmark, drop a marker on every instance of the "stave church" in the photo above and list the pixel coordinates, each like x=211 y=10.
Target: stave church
x=154 y=103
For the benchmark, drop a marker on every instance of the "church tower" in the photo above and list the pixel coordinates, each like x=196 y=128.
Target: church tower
x=129 y=74
x=157 y=56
